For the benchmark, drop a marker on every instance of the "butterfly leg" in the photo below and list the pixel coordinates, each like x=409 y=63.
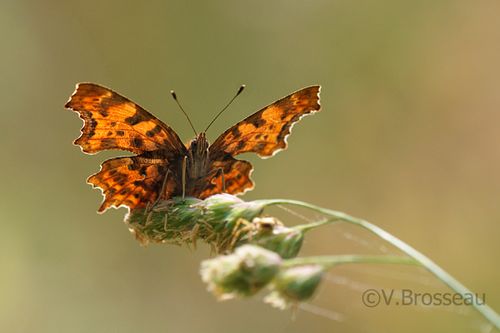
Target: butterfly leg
x=150 y=207
x=184 y=165
x=165 y=222
x=240 y=227
x=223 y=180
x=163 y=185
x=148 y=213
x=220 y=172
x=194 y=235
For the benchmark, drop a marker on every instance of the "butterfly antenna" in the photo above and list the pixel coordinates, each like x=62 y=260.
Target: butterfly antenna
x=224 y=109
x=174 y=95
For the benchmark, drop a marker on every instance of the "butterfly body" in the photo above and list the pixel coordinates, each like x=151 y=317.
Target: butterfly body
x=163 y=166
x=198 y=158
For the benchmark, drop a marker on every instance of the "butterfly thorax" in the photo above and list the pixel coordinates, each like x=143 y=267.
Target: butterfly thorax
x=198 y=159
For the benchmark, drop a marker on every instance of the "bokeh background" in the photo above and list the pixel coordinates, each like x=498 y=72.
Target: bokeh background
x=408 y=138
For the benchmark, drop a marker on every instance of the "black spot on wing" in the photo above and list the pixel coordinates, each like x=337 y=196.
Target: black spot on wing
x=108 y=143
x=240 y=145
x=257 y=121
x=137 y=118
x=235 y=131
x=137 y=142
x=260 y=146
x=154 y=131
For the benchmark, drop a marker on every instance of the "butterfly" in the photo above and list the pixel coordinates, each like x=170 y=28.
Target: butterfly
x=163 y=167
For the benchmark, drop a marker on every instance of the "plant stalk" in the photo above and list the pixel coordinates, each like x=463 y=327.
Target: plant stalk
x=419 y=258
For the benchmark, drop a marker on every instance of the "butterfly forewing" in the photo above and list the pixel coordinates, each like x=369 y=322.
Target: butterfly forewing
x=265 y=131
x=111 y=121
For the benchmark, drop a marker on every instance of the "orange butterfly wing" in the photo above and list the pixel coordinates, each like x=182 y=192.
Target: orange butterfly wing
x=132 y=181
x=236 y=178
x=264 y=133
x=111 y=121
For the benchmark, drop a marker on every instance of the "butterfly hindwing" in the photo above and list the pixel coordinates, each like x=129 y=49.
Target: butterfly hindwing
x=265 y=131
x=111 y=121
x=132 y=181
x=236 y=177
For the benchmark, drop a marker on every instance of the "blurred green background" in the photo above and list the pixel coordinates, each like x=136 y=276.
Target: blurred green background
x=408 y=138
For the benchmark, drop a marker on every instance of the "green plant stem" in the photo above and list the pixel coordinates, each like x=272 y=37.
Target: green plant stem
x=331 y=261
x=423 y=260
x=314 y=225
